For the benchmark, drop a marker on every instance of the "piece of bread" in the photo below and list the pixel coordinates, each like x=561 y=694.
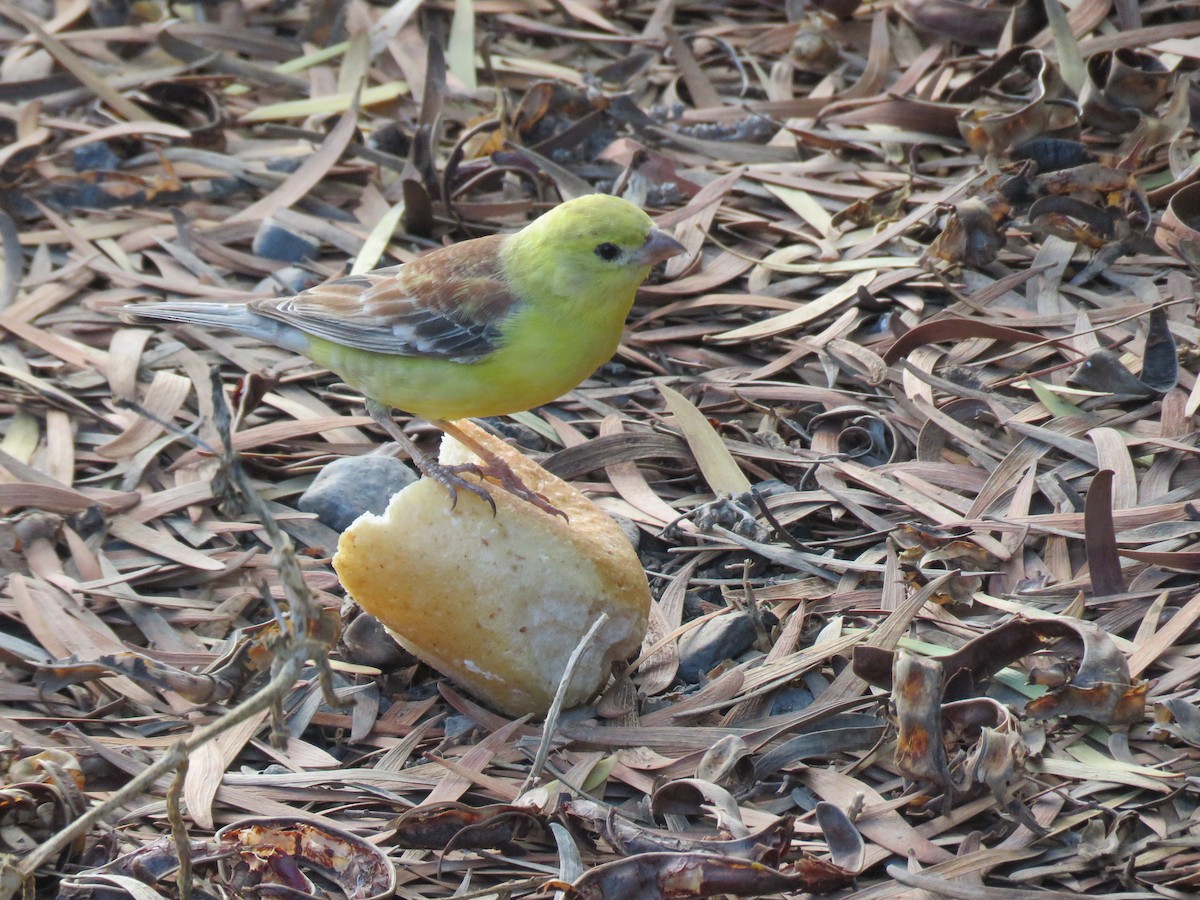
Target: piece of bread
x=498 y=603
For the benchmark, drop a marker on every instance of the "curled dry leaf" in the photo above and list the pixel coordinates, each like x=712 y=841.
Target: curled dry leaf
x=990 y=750
x=149 y=864
x=1100 y=689
x=1122 y=85
x=845 y=842
x=196 y=688
x=1176 y=718
x=917 y=699
x=1153 y=131
x=1179 y=231
x=885 y=206
x=769 y=845
x=187 y=103
x=259 y=855
x=997 y=751
x=1059 y=189
x=858 y=434
x=1048 y=108
x=975 y=24
x=250 y=655
x=973 y=234
x=41 y=793
x=927 y=553
x=728 y=764
x=689 y=796
x=1075 y=220
x=1091 y=181
x=661 y=876
x=549 y=106
x=456 y=826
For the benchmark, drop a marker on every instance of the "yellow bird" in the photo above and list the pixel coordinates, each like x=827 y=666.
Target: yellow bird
x=484 y=327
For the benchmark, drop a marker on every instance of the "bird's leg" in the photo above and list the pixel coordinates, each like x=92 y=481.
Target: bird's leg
x=447 y=476
x=498 y=470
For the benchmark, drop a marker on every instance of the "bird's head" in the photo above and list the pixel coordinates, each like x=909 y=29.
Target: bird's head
x=595 y=246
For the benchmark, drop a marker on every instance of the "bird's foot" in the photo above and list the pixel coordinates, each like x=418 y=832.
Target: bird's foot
x=450 y=477
x=497 y=470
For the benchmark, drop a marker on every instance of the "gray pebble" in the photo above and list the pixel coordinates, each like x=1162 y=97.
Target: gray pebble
x=353 y=485
x=629 y=527
x=366 y=641
x=288 y=280
x=274 y=241
x=717 y=640
x=458 y=727
x=791 y=700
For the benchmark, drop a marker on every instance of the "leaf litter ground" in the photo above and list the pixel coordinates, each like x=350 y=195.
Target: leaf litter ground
x=908 y=439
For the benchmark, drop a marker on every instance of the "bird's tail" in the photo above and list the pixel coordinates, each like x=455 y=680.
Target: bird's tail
x=236 y=317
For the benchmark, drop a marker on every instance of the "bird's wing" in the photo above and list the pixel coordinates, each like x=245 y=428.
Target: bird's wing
x=449 y=304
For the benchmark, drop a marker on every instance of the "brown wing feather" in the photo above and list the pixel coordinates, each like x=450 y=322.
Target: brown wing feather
x=449 y=304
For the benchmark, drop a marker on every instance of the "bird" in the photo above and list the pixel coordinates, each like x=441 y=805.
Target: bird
x=484 y=327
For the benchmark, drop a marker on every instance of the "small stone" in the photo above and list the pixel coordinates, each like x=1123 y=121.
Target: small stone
x=629 y=528
x=97 y=156
x=288 y=280
x=790 y=700
x=714 y=642
x=368 y=642
x=273 y=241
x=353 y=485
x=499 y=601
x=458 y=728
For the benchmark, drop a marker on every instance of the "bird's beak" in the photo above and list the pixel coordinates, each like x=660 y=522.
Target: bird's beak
x=659 y=246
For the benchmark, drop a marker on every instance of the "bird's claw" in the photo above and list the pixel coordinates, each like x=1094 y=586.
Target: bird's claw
x=500 y=472
x=448 y=478
x=534 y=498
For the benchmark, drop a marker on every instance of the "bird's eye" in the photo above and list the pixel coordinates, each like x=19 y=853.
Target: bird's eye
x=608 y=252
